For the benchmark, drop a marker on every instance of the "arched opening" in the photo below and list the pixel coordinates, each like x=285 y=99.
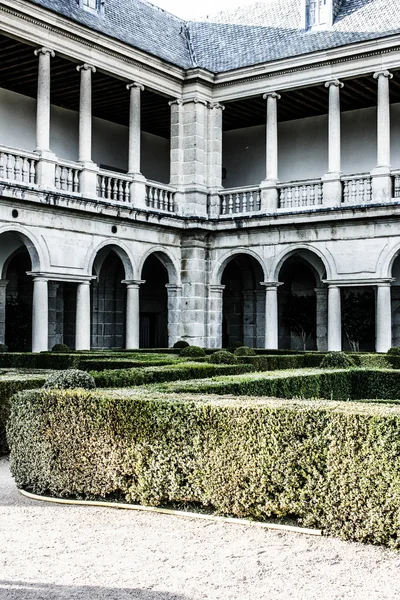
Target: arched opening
x=243 y=304
x=396 y=302
x=108 y=301
x=153 y=298
x=302 y=303
x=18 y=302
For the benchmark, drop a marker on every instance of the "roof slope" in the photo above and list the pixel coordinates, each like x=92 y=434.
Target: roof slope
x=264 y=31
x=136 y=22
x=271 y=30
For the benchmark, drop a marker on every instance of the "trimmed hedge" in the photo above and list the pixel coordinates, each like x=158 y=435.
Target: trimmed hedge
x=178 y=372
x=9 y=387
x=332 y=466
x=355 y=384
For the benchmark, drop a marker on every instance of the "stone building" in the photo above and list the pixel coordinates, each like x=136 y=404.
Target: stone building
x=165 y=180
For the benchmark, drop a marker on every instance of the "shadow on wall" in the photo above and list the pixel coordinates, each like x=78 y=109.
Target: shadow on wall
x=21 y=590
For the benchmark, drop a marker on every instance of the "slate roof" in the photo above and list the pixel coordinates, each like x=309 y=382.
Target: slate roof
x=257 y=33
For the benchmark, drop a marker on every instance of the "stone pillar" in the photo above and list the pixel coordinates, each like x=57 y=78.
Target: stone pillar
x=83 y=330
x=188 y=156
x=269 y=191
x=174 y=313
x=138 y=185
x=383 y=317
x=322 y=319
x=45 y=172
x=132 y=314
x=215 y=315
x=334 y=319
x=3 y=304
x=381 y=177
x=40 y=315
x=214 y=154
x=331 y=181
x=194 y=293
x=271 y=315
x=88 y=178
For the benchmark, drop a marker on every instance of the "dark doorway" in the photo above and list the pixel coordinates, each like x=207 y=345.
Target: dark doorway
x=154 y=305
x=19 y=295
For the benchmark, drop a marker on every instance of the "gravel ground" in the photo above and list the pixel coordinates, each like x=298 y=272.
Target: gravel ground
x=50 y=551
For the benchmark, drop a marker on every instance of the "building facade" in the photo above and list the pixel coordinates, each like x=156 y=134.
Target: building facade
x=235 y=179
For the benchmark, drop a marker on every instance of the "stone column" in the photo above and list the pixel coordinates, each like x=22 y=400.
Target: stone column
x=269 y=200
x=383 y=317
x=40 y=315
x=214 y=154
x=381 y=179
x=132 y=314
x=82 y=330
x=194 y=292
x=3 y=304
x=138 y=186
x=174 y=313
x=45 y=172
x=215 y=315
x=331 y=181
x=322 y=318
x=334 y=319
x=271 y=315
x=88 y=178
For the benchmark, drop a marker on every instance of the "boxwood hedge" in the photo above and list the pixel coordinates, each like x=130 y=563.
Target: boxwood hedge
x=331 y=465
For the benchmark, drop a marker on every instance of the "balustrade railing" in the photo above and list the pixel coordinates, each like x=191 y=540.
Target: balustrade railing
x=240 y=201
x=298 y=194
x=18 y=165
x=114 y=187
x=357 y=189
x=160 y=197
x=66 y=177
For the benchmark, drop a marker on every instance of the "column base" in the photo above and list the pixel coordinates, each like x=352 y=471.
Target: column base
x=88 y=179
x=332 y=188
x=382 y=186
x=269 y=196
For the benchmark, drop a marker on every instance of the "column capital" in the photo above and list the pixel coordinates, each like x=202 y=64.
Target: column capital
x=217 y=288
x=216 y=105
x=173 y=287
x=194 y=100
x=44 y=51
x=86 y=67
x=177 y=101
x=271 y=284
x=134 y=85
x=274 y=95
x=37 y=276
x=334 y=82
x=383 y=73
x=133 y=283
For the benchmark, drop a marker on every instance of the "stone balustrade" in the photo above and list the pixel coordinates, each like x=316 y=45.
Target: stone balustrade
x=17 y=165
x=299 y=194
x=240 y=201
x=357 y=189
x=160 y=197
x=113 y=186
x=67 y=176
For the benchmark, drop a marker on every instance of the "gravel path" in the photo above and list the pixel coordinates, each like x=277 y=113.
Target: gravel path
x=50 y=551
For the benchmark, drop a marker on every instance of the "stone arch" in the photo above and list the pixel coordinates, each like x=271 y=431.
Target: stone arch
x=317 y=260
x=386 y=261
x=221 y=264
x=26 y=239
x=100 y=252
x=167 y=259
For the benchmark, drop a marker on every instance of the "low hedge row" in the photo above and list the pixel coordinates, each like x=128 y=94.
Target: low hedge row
x=9 y=387
x=177 y=372
x=343 y=384
x=311 y=360
x=332 y=466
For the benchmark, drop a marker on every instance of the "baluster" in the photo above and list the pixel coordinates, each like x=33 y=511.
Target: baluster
x=245 y=202
x=25 y=170
x=296 y=196
x=63 y=178
x=251 y=202
x=289 y=197
x=109 y=188
x=70 y=180
x=10 y=166
x=17 y=168
x=164 y=197
x=171 y=202
x=312 y=195
x=237 y=203
x=147 y=199
x=303 y=195
x=353 y=191
x=32 y=171
x=127 y=191
x=2 y=161
x=120 y=191
x=114 y=188
x=258 y=201
x=361 y=190
x=346 y=191
x=57 y=177
x=151 y=203
x=396 y=185
x=230 y=204
x=102 y=186
x=368 y=191
x=320 y=194
x=223 y=204
x=76 y=181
